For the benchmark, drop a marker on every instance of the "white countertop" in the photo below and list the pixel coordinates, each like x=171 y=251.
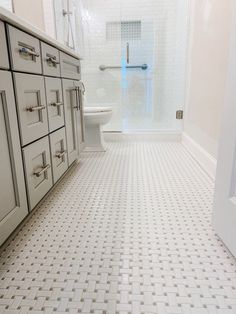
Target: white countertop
x=14 y=20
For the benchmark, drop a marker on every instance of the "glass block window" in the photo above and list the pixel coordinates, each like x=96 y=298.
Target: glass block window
x=124 y=30
x=113 y=31
x=131 y=30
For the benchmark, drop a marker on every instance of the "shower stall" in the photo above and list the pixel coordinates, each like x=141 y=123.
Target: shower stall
x=134 y=58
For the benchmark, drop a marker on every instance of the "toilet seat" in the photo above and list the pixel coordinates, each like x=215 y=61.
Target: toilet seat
x=97 y=109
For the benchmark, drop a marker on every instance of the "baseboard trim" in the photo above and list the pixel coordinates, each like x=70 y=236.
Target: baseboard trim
x=206 y=161
x=142 y=136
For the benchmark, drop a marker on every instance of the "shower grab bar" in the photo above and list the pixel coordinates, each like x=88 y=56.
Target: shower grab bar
x=143 y=67
x=127 y=53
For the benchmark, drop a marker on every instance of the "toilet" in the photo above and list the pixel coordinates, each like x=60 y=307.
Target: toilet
x=94 y=119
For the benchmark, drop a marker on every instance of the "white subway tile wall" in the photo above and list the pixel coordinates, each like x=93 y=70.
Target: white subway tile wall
x=140 y=99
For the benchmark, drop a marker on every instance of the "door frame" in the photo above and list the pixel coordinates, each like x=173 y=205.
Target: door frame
x=224 y=213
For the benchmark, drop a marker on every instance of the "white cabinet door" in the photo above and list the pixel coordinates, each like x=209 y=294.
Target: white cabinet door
x=55 y=103
x=224 y=217
x=38 y=170
x=13 y=204
x=71 y=104
x=31 y=104
x=4 y=62
x=58 y=153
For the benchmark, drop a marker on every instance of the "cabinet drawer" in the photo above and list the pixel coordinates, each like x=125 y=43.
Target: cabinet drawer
x=51 y=61
x=55 y=103
x=4 y=62
x=25 y=51
x=58 y=153
x=31 y=105
x=70 y=67
x=38 y=170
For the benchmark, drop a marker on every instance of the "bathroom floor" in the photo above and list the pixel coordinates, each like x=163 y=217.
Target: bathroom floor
x=127 y=231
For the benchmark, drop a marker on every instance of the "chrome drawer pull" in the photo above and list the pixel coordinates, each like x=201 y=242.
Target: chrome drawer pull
x=38 y=108
x=76 y=88
x=56 y=104
x=51 y=60
x=28 y=52
x=44 y=169
x=61 y=154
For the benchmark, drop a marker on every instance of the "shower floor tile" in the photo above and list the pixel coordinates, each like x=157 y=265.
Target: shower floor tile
x=127 y=231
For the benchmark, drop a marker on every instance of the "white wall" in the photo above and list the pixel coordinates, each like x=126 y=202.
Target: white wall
x=208 y=59
x=39 y=13
x=31 y=11
x=6 y=4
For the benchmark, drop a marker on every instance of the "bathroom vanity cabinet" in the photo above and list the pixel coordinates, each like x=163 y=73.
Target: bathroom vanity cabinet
x=41 y=117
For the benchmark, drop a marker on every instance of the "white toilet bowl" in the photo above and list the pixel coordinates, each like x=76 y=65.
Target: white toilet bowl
x=94 y=119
